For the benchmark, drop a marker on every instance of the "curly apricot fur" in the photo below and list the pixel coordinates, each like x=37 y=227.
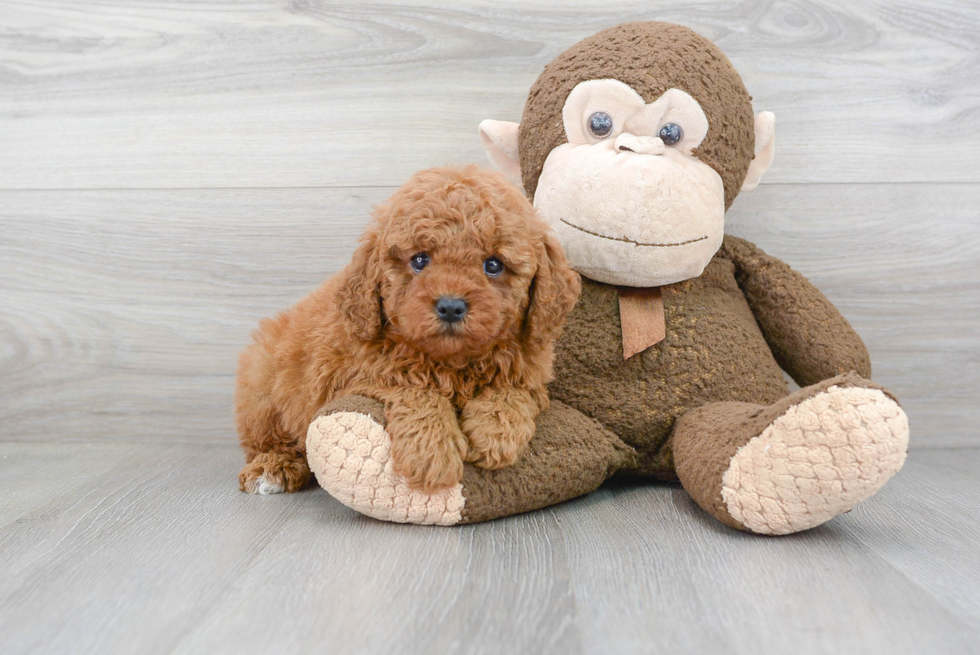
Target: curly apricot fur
x=372 y=330
x=499 y=424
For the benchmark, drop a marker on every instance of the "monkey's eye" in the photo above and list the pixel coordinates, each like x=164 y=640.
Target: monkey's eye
x=600 y=124
x=418 y=262
x=493 y=267
x=671 y=133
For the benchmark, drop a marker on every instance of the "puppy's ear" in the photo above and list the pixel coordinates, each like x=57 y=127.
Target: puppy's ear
x=359 y=295
x=554 y=292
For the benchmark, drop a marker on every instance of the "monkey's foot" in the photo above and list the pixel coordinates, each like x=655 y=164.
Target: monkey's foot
x=798 y=463
x=350 y=452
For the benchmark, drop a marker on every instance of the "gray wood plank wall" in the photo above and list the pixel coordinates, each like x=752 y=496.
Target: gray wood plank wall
x=171 y=172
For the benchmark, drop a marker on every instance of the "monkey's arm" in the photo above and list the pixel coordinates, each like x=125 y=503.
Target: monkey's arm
x=810 y=338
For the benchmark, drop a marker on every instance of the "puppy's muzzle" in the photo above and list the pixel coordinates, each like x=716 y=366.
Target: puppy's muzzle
x=451 y=309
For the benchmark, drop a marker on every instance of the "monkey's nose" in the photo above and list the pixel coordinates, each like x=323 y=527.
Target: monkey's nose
x=451 y=309
x=644 y=145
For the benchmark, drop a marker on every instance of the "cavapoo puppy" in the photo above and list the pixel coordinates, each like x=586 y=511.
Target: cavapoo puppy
x=447 y=314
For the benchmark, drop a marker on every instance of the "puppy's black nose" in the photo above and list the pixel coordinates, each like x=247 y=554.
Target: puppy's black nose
x=451 y=309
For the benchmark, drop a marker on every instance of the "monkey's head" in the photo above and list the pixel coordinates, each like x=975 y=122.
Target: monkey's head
x=633 y=144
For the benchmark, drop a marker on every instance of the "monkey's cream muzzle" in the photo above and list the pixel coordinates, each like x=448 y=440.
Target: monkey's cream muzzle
x=620 y=219
x=629 y=209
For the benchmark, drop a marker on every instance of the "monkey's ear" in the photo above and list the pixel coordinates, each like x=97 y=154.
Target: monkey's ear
x=765 y=148
x=499 y=139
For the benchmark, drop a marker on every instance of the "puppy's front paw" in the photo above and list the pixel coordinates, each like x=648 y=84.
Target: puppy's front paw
x=273 y=473
x=428 y=463
x=426 y=443
x=498 y=433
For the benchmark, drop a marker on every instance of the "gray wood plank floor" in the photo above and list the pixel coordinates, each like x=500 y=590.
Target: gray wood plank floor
x=125 y=548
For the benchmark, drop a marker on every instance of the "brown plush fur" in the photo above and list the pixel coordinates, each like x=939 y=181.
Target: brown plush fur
x=469 y=390
x=682 y=407
x=651 y=57
x=724 y=343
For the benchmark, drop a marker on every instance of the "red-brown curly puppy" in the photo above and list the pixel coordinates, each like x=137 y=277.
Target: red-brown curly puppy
x=447 y=314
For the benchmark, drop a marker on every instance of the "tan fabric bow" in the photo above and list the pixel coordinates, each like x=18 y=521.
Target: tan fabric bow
x=641 y=313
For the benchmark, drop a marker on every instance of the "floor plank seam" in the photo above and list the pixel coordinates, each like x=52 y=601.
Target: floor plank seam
x=246 y=565
x=973 y=626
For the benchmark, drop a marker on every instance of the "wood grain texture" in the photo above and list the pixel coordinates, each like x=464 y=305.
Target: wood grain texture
x=225 y=93
x=658 y=568
x=152 y=549
x=928 y=533
x=170 y=172
x=122 y=312
x=136 y=552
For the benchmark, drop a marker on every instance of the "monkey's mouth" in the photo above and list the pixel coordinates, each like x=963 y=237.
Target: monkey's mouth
x=635 y=243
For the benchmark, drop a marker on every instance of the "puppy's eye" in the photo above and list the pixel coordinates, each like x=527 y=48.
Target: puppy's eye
x=493 y=267
x=671 y=133
x=600 y=124
x=418 y=262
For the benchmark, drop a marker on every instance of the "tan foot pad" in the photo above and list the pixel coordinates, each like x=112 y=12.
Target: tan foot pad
x=819 y=459
x=350 y=455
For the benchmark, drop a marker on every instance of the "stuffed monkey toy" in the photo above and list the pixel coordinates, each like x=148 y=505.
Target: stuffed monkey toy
x=633 y=144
